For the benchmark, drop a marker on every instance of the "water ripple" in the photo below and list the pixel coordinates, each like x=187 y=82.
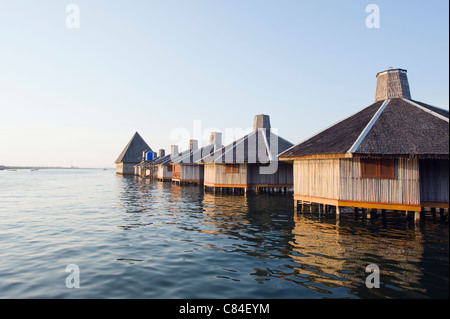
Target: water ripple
x=136 y=239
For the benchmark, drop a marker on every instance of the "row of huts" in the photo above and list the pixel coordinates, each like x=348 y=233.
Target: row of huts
x=391 y=155
x=249 y=163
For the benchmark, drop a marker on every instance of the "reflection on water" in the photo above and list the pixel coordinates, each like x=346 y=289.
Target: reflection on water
x=139 y=239
x=319 y=256
x=315 y=256
x=333 y=255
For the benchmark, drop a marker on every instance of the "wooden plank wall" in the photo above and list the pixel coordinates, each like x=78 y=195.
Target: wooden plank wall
x=434 y=180
x=217 y=175
x=119 y=168
x=163 y=172
x=176 y=171
x=209 y=173
x=283 y=175
x=404 y=189
x=191 y=172
x=317 y=178
x=125 y=168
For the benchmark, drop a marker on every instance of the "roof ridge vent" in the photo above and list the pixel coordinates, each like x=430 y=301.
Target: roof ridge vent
x=391 y=84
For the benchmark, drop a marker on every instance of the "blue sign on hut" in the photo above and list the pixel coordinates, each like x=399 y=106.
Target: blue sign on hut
x=392 y=155
x=131 y=155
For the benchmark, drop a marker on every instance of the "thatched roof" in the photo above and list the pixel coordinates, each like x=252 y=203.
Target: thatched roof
x=132 y=153
x=394 y=127
x=192 y=156
x=259 y=146
x=163 y=160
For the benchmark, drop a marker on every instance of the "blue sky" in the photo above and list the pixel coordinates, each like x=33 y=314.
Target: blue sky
x=76 y=96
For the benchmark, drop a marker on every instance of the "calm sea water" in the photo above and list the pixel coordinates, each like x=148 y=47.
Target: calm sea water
x=136 y=239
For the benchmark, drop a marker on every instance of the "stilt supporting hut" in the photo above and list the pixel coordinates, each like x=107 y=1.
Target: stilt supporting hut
x=146 y=168
x=392 y=155
x=249 y=163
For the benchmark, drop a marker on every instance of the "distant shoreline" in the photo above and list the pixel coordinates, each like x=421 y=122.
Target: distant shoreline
x=48 y=167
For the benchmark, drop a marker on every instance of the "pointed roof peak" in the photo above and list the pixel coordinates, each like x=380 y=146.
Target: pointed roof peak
x=132 y=153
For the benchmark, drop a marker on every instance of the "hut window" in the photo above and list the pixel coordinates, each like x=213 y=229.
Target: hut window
x=231 y=168
x=387 y=168
x=378 y=168
x=169 y=168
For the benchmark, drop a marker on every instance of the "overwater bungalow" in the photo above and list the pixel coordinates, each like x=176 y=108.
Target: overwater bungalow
x=131 y=155
x=163 y=166
x=391 y=155
x=250 y=162
x=185 y=169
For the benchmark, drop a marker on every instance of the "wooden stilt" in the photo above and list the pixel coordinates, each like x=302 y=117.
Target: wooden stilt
x=433 y=212
x=417 y=217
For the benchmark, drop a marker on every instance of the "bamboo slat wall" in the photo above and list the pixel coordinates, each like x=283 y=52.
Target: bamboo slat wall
x=163 y=172
x=209 y=174
x=125 y=168
x=341 y=179
x=404 y=189
x=248 y=175
x=282 y=176
x=191 y=172
x=317 y=178
x=215 y=174
x=176 y=171
x=239 y=178
x=434 y=177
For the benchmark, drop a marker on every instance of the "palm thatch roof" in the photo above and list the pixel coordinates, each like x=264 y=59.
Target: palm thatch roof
x=132 y=153
x=397 y=127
